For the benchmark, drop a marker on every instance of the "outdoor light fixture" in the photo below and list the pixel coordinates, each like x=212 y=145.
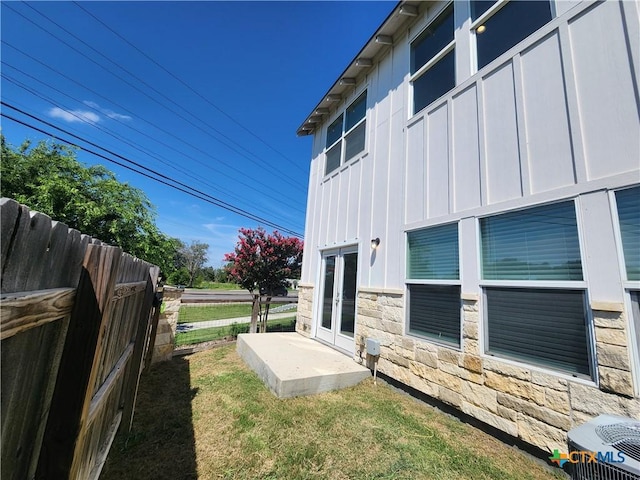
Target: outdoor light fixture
x=375 y=242
x=481 y=29
x=332 y=97
x=364 y=62
x=347 y=81
x=384 y=39
x=321 y=111
x=408 y=10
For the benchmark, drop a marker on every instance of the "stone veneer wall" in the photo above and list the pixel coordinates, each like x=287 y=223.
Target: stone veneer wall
x=166 y=333
x=304 y=317
x=531 y=404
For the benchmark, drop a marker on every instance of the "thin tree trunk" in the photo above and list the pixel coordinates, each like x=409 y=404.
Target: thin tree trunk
x=266 y=315
x=254 y=314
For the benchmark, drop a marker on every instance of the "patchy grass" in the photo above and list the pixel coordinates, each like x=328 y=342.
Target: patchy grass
x=225 y=424
x=204 y=313
x=216 y=333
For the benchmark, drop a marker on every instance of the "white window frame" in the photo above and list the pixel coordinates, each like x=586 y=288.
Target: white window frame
x=438 y=282
x=491 y=11
x=629 y=286
x=345 y=134
x=539 y=284
x=434 y=60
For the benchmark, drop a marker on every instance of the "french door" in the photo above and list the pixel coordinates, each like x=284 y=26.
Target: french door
x=337 y=301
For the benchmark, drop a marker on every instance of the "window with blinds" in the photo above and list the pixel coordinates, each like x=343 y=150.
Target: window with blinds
x=434 y=308
x=540 y=243
x=540 y=326
x=530 y=321
x=628 y=202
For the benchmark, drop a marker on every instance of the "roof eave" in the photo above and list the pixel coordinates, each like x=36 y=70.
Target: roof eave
x=362 y=62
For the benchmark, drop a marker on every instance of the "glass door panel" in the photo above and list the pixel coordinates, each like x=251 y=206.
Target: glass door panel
x=327 y=300
x=337 y=301
x=349 y=287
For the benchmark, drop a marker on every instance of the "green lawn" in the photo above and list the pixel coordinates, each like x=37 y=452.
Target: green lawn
x=203 y=313
x=207 y=416
x=200 y=313
x=216 y=333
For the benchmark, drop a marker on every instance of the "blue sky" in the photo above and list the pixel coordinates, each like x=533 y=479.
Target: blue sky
x=207 y=93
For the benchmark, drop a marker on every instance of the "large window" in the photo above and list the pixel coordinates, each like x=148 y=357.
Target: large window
x=433 y=61
x=628 y=202
x=433 y=283
x=348 y=129
x=535 y=296
x=498 y=27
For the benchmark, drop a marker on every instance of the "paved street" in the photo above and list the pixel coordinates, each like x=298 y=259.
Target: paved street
x=192 y=295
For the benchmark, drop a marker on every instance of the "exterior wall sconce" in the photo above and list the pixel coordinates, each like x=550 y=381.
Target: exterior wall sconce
x=375 y=242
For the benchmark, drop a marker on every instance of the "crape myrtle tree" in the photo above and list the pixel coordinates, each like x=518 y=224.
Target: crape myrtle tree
x=262 y=262
x=48 y=178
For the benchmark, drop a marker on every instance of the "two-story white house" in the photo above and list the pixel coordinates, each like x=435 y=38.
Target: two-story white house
x=474 y=205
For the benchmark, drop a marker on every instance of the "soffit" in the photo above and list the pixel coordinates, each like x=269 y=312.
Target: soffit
x=372 y=50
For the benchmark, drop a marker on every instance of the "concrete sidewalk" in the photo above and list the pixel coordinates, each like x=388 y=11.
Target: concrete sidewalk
x=187 y=327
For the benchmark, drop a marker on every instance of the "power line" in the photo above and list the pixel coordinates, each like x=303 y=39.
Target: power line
x=291 y=180
x=189 y=87
x=120 y=139
x=216 y=159
x=163 y=179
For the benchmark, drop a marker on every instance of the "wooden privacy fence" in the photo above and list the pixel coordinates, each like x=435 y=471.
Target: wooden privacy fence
x=75 y=318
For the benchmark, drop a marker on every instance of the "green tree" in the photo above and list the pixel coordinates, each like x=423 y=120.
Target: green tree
x=193 y=257
x=262 y=262
x=48 y=178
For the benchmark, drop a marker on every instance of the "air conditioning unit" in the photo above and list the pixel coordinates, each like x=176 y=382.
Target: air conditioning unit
x=605 y=448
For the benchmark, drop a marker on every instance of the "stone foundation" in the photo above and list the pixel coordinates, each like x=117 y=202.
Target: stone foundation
x=304 y=316
x=528 y=403
x=166 y=333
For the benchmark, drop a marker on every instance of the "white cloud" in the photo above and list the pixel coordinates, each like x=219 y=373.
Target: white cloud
x=106 y=112
x=72 y=116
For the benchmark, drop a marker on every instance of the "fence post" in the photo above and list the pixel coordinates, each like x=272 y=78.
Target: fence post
x=131 y=382
x=72 y=394
x=154 y=327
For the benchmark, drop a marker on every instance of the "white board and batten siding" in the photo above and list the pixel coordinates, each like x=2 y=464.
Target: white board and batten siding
x=554 y=117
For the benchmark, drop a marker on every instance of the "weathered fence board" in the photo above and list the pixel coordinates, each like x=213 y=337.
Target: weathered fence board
x=75 y=319
x=24 y=310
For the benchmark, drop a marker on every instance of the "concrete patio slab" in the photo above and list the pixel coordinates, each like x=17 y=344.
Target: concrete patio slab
x=292 y=365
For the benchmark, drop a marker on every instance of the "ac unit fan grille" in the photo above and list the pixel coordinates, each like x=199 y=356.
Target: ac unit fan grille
x=623 y=436
x=598 y=471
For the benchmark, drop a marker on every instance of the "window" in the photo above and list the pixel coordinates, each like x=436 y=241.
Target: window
x=349 y=128
x=433 y=283
x=628 y=202
x=532 y=281
x=506 y=26
x=433 y=61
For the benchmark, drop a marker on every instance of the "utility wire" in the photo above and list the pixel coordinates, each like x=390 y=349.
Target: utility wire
x=295 y=164
x=163 y=179
x=170 y=134
x=121 y=139
x=292 y=181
